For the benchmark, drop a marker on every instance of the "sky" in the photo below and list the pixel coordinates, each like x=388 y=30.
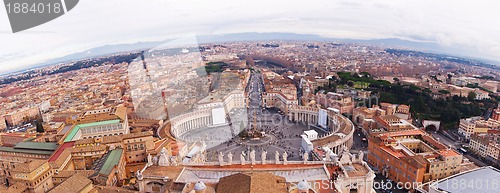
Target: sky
x=470 y=26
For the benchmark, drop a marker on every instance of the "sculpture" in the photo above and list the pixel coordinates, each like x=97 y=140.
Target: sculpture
x=138 y=174
x=173 y=161
x=346 y=157
x=202 y=157
x=252 y=156
x=361 y=155
x=306 y=157
x=285 y=158
x=242 y=158
x=221 y=158
x=276 y=157
x=150 y=160
x=263 y=156
x=230 y=158
x=163 y=159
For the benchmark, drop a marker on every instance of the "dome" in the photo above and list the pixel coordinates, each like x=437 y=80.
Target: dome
x=303 y=185
x=200 y=186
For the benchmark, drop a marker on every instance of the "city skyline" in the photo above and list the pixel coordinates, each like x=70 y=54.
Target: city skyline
x=465 y=28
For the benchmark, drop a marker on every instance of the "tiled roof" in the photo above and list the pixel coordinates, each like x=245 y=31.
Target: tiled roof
x=84 y=141
x=111 y=139
x=60 y=159
x=60 y=150
x=113 y=189
x=252 y=183
x=69 y=173
x=139 y=134
x=75 y=183
x=28 y=166
x=89 y=148
x=16 y=188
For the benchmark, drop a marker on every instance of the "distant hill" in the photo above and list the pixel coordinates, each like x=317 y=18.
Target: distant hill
x=118 y=48
x=101 y=51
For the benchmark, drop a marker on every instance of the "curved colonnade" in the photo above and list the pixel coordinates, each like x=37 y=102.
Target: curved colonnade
x=340 y=129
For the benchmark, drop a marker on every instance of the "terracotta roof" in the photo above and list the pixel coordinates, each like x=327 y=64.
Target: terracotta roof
x=121 y=112
x=415 y=161
x=57 y=163
x=448 y=152
x=260 y=182
x=75 y=183
x=28 y=166
x=60 y=150
x=112 y=189
x=69 y=173
x=85 y=141
x=111 y=139
x=171 y=172
x=16 y=188
x=89 y=148
x=136 y=135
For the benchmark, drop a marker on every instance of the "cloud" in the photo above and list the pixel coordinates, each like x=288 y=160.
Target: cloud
x=468 y=25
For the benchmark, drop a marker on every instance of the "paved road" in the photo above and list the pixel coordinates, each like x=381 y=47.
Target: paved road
x=455 y=144
x=282 y=135
x=358 y=142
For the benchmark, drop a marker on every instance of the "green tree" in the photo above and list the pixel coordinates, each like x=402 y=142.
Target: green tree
x=444 y=91
x=243 y=133
x=471 y=96
x=39 y=126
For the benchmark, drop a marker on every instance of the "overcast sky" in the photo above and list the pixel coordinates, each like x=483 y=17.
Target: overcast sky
x=470 y=25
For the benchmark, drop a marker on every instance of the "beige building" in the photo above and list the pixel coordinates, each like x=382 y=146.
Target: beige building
x=20 y=116
x=36 y=175
x=486 y=145
x=137 y=146
x=3 y=123
x=341 y=102
x=11 y=139
x=99 y=123
x=280 y=92
x=475 y=125
x=21 y=153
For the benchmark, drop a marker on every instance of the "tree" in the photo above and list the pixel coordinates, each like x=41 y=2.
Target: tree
x=444 y=91
x=471 y=96
x=243 y=134
x=39 y=127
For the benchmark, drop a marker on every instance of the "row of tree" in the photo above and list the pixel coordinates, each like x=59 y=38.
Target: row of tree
x=447 y=109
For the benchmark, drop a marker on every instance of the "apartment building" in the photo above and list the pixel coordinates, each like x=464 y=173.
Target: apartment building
x=475 y=125
x=412 y=156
